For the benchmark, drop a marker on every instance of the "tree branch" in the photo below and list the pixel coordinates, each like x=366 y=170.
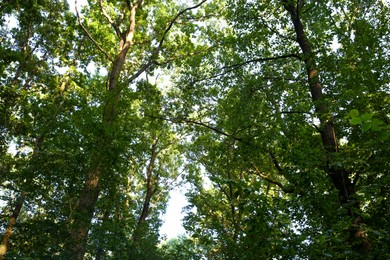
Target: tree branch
x=89 y=35
x=214 y=128
x=233 y=67
x=158 y=48
x=173 y=21
x=275 y=162
x=257 y=171
x=110 y=21
x=285 y=189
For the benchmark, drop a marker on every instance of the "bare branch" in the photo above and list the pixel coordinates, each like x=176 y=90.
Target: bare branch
x=89 y=35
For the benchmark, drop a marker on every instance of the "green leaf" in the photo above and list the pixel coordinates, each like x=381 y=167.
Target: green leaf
x=354 y=113
x=355 y=120
x=366 y=117
x=366 y=127
x=384 y=135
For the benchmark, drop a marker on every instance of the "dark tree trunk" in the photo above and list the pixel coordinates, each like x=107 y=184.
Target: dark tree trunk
x=339 y=176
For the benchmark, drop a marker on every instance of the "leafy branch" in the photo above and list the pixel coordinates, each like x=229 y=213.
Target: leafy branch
x=284 y=188
x=161 y=42
x=110 y=21
x=203 y=124
x=233 y=67
x=89 y=35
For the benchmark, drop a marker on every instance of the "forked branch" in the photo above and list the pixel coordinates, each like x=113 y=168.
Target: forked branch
x=161 y=42
x=89 y=35
x=108 y=18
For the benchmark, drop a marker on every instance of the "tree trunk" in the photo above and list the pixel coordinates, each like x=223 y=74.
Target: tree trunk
x=339 y=176
x=102 y=157
x=11 y=224
x=91 y=189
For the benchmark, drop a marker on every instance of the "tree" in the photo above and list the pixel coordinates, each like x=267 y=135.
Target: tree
x=82 y=150
x=31 y=93
x=277 y=88
x=123 y=22
x=276 y=113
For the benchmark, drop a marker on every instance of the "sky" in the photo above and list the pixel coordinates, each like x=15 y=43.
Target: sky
x=173 y=225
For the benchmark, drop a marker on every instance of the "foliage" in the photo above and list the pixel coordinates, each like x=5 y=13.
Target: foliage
x=131 y=96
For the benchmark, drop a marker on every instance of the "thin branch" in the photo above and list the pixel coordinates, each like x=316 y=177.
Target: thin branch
x=276 y=162
x=233 y=67
x=173 y=21
x=257 y=171
x=89 y=35
x=295 y=112
x=157 y=50
x=275 y=31
x=224 y=192
x=108 y=18
x=290 y=112
x=269 y=179
x=184 y=56
x=214 y=128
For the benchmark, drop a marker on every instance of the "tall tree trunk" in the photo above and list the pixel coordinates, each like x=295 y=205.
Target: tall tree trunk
x=102 y=157
x=338 y=175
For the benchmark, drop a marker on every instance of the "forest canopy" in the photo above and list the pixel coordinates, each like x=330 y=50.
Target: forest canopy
x=275 y=116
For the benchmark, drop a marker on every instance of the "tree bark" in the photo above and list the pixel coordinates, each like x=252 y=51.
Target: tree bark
x=338 y=175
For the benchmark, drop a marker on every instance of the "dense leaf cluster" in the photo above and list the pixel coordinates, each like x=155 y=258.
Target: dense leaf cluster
x=274 y=113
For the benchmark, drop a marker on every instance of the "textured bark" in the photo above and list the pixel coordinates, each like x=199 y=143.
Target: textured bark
x=91 y=189
x=84 y=213
x=339 y=176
